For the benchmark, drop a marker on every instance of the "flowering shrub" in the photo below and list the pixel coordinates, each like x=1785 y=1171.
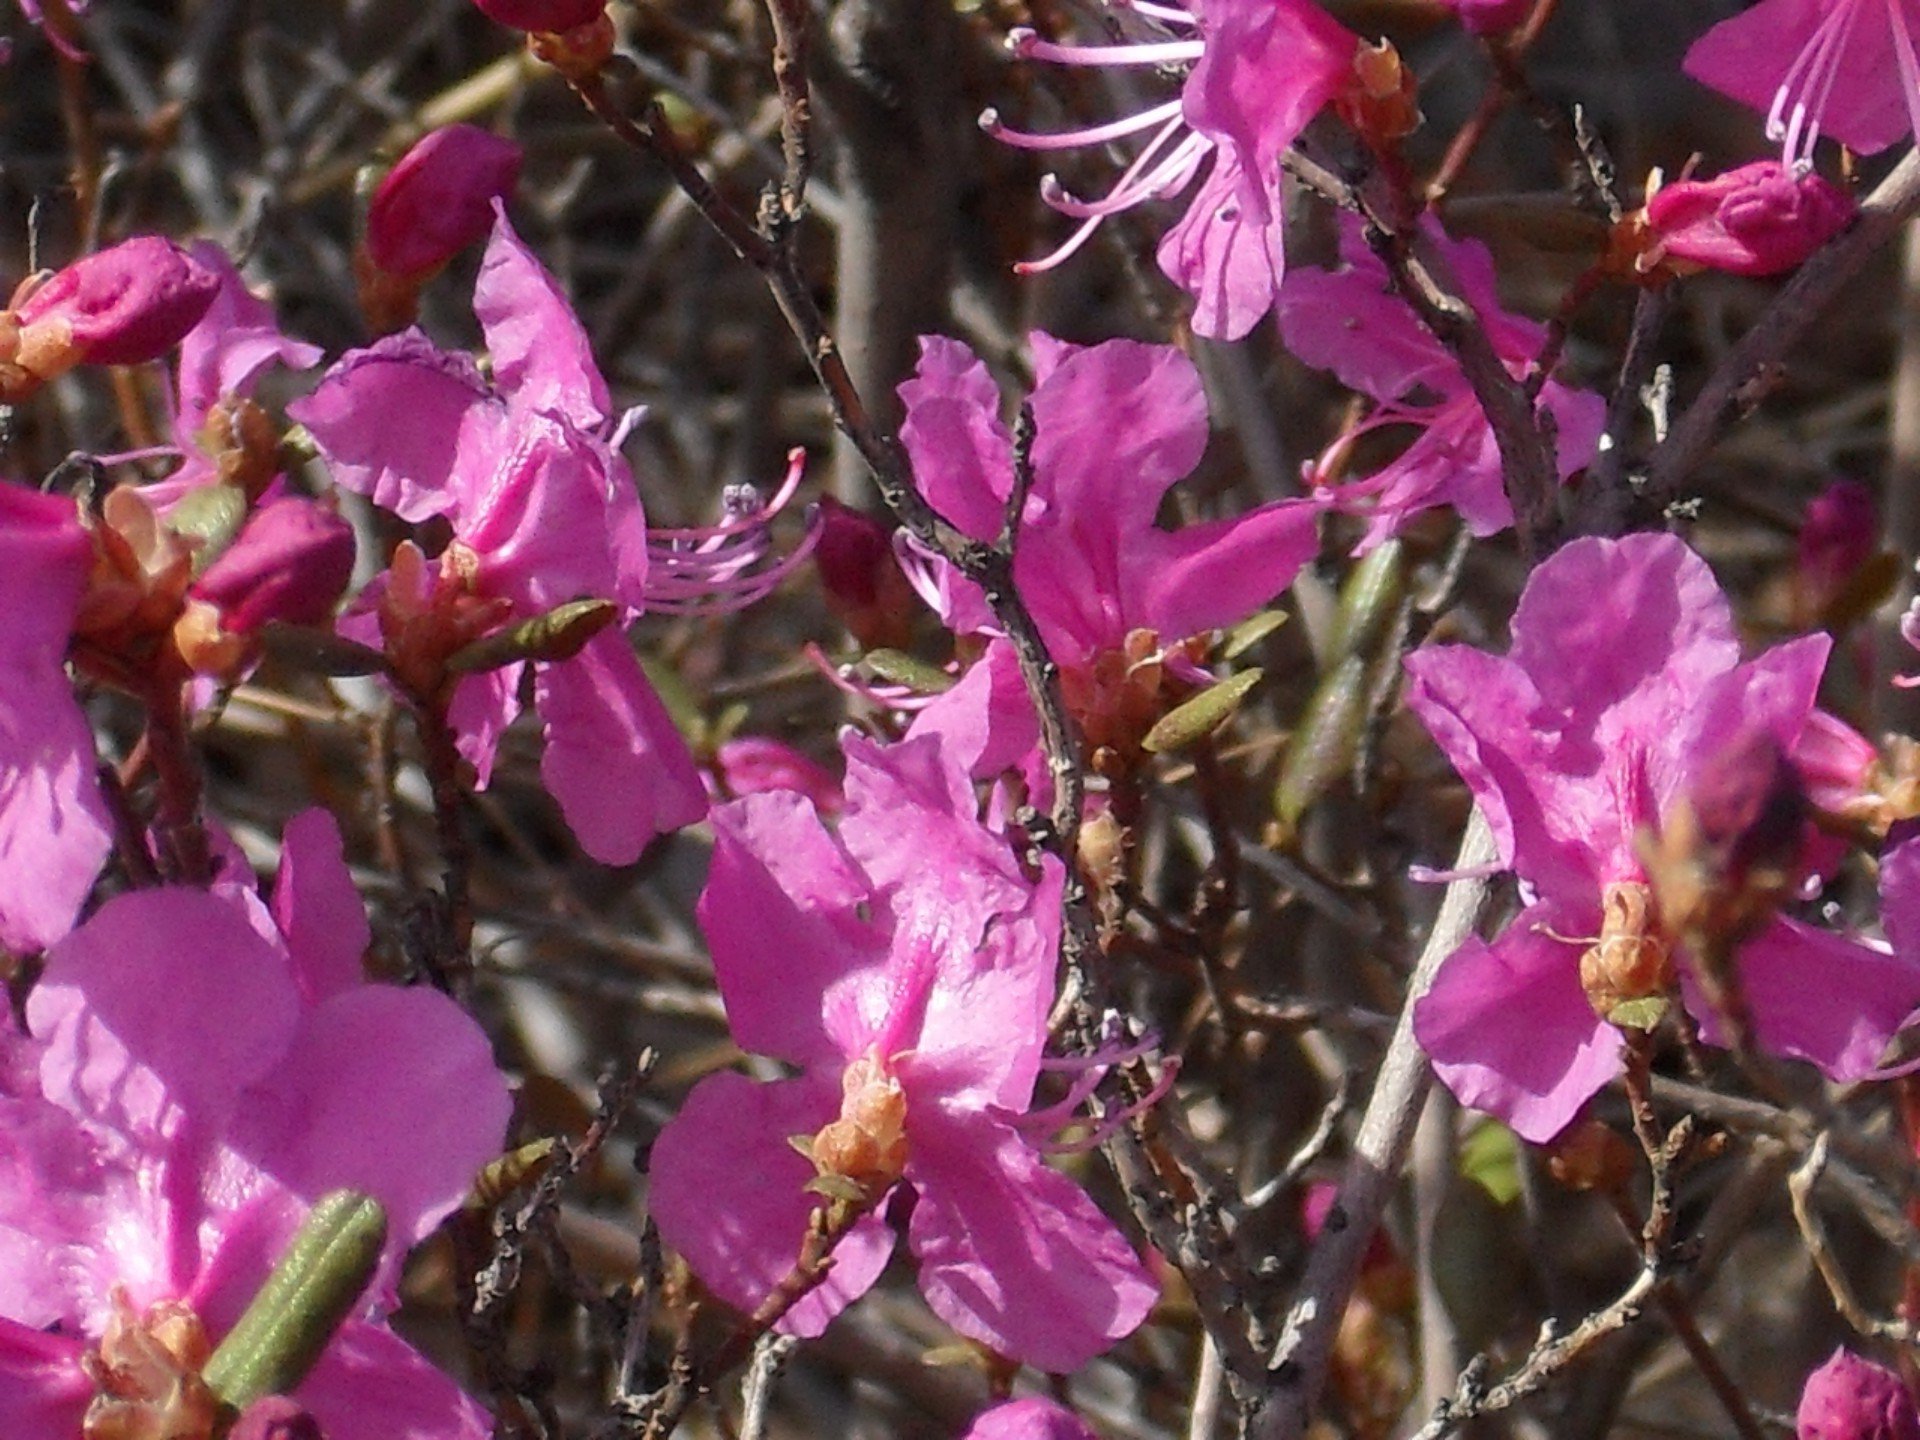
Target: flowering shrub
x=887 y=815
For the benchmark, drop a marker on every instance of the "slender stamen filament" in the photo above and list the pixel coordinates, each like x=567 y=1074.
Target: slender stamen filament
x=1808 y=85
x=1028 y=45
x=1075 y=139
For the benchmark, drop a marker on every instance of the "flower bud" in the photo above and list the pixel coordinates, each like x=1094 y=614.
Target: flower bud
x=1836 y=543
x=864 y=586
x=438 y=198
x=1853 y=1399
x=1757 y=220
x=1490 y=17
x=1590 y=1156
x=120 y=306
x=435 y=201
x=548 y=16
x=755 y=764
x=291 y=563
x=1034 y=1419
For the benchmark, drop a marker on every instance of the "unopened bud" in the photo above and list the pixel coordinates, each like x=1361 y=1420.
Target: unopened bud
x=861 y=579
x=291 y=563
x=121 y=306
x=1103 y=851
x=541 y=15
x=435 y=201
x=1490 y=17
x=756 y=764
x=1849 y=1398
x=1382 y=101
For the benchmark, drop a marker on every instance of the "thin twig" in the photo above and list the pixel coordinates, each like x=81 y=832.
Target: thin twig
x=1380 y=1149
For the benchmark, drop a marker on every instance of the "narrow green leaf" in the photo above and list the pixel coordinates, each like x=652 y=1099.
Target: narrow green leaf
x=1196 y=718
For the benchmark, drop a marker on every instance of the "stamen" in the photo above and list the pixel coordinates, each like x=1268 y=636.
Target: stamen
x=1026 y=44
x=991 y=123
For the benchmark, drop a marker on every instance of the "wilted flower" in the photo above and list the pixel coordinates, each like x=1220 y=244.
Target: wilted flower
x=1849 y=1398
x=1761 y=219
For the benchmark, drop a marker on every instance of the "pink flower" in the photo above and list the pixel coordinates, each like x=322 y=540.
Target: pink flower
x=202 y=1071
x=1761 y=219
x=1846 y=68
x=1624 y=684
x=1261 y=70
x=910 y=985
x=543 y=511
x=1853 y=1399
x=1034 y=1419
x=54 y=831
x=126 y=304
x=1351 y=322
x=1116 y=597
x=291 y=563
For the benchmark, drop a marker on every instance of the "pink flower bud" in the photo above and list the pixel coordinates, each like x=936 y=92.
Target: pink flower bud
x=865 y=587
x=275 y=1418
x=1853 y=1399
x=752 y=764
x=1836 y=539
x=542 y=16
x=129 y=303
x=291 y=563
x=439 y=198
x=1490 y=17
x=1757 y=220
x=1029 y=1420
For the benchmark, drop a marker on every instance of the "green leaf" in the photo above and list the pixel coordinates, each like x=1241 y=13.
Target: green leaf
x=1196 y=718
x=1250 y=632
x=313 y=1288
x=560 y=634
x=1490 y=1158
x=909 y=670
x=1642 y=1014
x=1322 y=749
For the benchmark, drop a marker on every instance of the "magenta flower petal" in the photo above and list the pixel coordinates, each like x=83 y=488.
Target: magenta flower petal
x=1510 y=1031
x=541 y=355
x=1752 y=55
x=371 y=1385
x=484 y=705
x=1214 y=574
x=728 y=1192
x=317 y=907
x=1013 y=1253
x=1230 y=264
x=359 y=1101
x=961 y=452
x=986 y=721
x=164 y=1003
x=777 y=871
x=1821 y=997
x=392 y=421
x=614 y=758
x=54 y=832
x=1034 y=1419
x=538 y=526
x=43 y=1392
